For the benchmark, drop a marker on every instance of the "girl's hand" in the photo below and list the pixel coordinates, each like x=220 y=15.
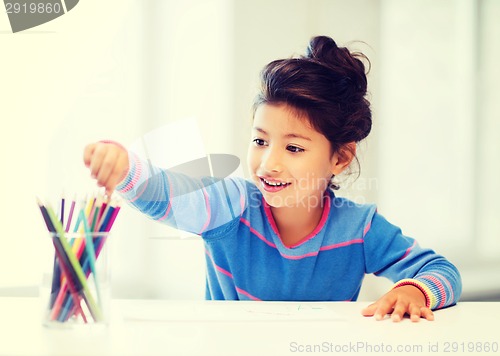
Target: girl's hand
x=108 y=163
x=398 y=302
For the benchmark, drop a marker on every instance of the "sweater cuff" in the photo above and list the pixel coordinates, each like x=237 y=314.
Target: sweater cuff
x=133 y=176
x=430 y=298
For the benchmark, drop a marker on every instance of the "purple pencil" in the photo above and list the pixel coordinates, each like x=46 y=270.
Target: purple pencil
x=70 y=217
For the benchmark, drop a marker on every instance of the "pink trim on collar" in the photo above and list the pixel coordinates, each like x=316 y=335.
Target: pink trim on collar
x=317 y=229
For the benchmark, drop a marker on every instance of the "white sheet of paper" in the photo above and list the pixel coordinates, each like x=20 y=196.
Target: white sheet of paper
x=233 y=311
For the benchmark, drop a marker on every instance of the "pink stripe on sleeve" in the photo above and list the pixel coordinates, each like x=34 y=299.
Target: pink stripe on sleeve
x=138 y=195
x=367 y=228
x=169 y=207
x=408 y=250
x=242 y=202
x=209 y=212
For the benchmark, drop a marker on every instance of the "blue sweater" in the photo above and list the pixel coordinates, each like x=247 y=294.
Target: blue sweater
x=247 y=260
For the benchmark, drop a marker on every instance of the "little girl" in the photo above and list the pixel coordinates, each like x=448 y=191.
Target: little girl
x=283 y=234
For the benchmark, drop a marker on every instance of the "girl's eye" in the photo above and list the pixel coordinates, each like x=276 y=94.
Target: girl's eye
x=294 y=149
x=259 y=142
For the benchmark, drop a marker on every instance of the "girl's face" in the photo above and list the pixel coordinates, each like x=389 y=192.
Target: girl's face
x=290 y=162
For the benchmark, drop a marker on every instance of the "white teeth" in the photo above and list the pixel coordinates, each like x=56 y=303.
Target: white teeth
x=274 y=184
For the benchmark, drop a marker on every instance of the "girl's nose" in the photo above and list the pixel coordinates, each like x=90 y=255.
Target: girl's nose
x=271 y=161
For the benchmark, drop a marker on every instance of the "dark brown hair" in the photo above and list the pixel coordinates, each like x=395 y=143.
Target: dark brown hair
x=327 y=86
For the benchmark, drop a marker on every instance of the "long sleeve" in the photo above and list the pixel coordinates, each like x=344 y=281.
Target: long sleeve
x=196 y=205
x=391 y=254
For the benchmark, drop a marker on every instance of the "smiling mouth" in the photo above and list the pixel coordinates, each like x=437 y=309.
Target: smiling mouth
x=273 y=186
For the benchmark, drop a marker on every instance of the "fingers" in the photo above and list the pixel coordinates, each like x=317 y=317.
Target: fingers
x=87 y=154
x=96 y=162
x=369 y=310
x=427 y=313
x=399 y=312
x=398 y=302
x=103 y=166
x=385 y=306
x=416 y=313
x=107 y=162
x=379 y=309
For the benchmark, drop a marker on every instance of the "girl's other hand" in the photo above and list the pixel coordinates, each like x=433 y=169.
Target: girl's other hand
x=398 y=302
x=108 y=163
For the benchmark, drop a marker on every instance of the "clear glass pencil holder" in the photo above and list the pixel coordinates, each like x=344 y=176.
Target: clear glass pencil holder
x=77 y=290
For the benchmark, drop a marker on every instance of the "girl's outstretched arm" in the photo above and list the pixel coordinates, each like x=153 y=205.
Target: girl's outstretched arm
x=193 y=204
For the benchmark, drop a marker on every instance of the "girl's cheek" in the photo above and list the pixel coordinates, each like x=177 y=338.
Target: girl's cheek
x=252 y=160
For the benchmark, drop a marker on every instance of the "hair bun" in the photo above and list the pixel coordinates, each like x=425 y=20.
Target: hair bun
x=321 y=48
x=347 y=67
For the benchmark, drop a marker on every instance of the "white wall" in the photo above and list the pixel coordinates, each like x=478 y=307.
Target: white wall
x=488 y=144
x=426 y=134
x=438 y=133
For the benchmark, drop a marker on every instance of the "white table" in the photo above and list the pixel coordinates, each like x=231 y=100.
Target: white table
x=152 y=327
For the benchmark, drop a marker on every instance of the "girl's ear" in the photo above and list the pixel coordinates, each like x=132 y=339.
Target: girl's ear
x=343 y=158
